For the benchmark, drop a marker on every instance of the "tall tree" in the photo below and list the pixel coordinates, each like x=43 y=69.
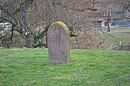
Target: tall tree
x=15 y=12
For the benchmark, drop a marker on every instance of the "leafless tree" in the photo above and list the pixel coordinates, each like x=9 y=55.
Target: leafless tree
x=15 y=12
x=31 y=18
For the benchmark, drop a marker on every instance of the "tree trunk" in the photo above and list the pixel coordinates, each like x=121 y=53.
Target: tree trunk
x=108 y=27
x=108 y=23
x=29 y=41
x=24 y=22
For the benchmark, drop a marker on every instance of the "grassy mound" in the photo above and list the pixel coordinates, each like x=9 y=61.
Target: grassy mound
x=115 y=36
x=30 y=67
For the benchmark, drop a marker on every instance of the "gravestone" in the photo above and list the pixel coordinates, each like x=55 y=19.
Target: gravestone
x=58 y=43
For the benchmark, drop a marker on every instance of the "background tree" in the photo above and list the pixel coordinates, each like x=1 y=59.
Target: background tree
x=15 y=12
x=31 y=18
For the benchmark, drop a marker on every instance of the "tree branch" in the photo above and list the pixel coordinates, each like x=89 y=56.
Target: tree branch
x=8 y=13
x=75 y=9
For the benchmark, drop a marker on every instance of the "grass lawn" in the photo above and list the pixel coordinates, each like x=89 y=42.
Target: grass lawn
x=115 y=36
x=30 y=67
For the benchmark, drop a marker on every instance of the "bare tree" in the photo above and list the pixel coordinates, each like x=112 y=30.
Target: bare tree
x=15 y=12
x=31 y=18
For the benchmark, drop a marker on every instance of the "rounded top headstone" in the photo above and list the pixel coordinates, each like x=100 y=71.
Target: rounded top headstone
x=58 y=42
x=60 y=23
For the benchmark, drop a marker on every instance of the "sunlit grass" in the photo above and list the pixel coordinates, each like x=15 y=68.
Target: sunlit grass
x=115 y=36
x=121 y=30
x=30 y=67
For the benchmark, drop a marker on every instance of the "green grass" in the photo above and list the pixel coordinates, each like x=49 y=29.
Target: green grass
x=115 y=36
x=30 y=67
x=121 y=30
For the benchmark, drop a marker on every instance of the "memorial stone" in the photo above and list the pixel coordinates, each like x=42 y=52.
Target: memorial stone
x=58 y=43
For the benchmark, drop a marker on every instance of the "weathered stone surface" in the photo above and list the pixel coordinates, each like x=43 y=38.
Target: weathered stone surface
x=58 y=43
